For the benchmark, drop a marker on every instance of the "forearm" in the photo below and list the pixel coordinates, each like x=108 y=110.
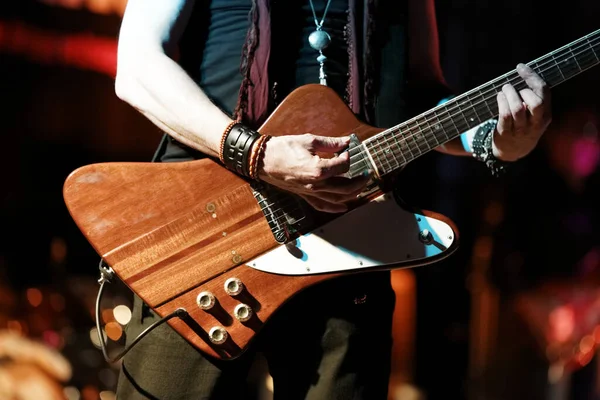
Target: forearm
x=161 y=90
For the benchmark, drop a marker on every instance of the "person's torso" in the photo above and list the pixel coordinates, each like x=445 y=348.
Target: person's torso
x=211 y=48
x=212 y=43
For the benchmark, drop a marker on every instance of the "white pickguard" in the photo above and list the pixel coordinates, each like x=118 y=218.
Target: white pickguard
x=377 y=234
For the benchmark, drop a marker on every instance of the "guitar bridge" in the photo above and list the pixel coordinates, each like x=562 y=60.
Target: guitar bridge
x=286 y=214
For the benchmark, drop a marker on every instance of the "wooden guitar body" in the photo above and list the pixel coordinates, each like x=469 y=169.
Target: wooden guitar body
x=194 y=236
x=172 y=231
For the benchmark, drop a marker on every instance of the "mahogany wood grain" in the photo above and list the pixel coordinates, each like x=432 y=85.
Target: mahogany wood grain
x=155 y=225
x=172 y=230
x=264 y=292
x=315 y=109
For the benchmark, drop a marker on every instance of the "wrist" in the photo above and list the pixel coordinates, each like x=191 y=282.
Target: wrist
x=257 y=156
x=484 y=149
x=237 y=144
x=502 y=156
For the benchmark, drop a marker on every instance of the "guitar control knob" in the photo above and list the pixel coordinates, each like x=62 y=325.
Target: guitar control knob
x=218 y=335
x=233 y=286
x=243 y=312
x=205 y=300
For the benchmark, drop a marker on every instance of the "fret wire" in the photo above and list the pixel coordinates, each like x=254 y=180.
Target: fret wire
x=474 y=110
x=429 y=134
x=386 y=152
x=570 y=65
x=593 y=51
x=442 y=125
x=384 y=156
x=395 y=137
x=411 y=136
x=558 y=66
x=588 y=59
x=390 y=152
x=380 y=154
x=485 y=101
x=537 y=69
x=425 y=134
x=408 y=146
x=437 y=143
x=436 y=129
x=375 y=154
x=415 y=136
x=396 y=162
x=551 y=59
x=420 y=136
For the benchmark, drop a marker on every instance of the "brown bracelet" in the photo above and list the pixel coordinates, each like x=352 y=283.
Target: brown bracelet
x=237 y=148
x=225 y=133
x=253 y=156
x=257 y=154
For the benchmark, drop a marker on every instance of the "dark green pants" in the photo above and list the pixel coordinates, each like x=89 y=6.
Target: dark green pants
x=332 y=341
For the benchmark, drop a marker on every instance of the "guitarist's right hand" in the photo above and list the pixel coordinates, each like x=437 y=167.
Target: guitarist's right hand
x=309 y=166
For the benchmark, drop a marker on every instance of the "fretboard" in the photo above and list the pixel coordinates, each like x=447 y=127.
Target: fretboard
x=397 y=146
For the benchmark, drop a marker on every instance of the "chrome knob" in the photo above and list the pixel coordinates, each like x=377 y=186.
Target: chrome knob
x=218 y=335
x=243 y=312
x=205 y=300
x=233 y=286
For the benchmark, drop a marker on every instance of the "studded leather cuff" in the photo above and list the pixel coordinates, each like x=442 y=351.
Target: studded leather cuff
x=237 y=146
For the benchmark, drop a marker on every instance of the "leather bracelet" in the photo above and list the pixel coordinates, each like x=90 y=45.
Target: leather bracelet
x=237 y=145
x=483 y=150
x=257 y=155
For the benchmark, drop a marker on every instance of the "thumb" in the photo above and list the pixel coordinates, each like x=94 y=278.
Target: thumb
x=330 y=144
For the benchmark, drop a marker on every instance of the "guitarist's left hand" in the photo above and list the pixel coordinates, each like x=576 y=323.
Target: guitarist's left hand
x=523 y=116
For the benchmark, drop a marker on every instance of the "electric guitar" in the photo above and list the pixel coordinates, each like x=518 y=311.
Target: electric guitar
x=229 y=252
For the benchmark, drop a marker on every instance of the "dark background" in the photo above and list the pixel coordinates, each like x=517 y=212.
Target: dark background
x=57 y=116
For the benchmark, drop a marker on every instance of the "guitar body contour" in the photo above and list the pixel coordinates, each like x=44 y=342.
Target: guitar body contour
x=171 y=231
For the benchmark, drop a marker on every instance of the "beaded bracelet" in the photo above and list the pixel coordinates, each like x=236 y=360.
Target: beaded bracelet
x=257 y=154
x=225 y=133
x=483 y=149
x=237 y=146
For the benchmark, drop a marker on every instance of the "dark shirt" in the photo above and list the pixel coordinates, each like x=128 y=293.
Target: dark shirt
x=211 y=50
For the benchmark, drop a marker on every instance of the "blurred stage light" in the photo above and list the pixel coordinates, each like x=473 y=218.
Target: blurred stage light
x=34 y=297
x=122 y=314
x=72 y=393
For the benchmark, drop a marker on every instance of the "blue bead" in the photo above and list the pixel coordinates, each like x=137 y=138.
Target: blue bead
x=319 y=40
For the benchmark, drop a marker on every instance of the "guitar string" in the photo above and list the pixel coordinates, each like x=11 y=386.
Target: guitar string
x=554 y=65
x=473 y=105
x=457 y=106
x=551 y=64
x=397 y=129
x=540 y=67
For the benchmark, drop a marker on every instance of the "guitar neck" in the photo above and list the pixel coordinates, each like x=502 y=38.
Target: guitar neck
x=397 y=146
